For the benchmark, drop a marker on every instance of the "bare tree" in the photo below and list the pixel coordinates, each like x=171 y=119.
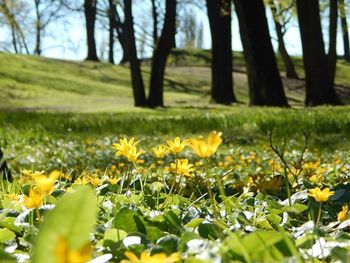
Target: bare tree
x=46 y=12
x=10 y=11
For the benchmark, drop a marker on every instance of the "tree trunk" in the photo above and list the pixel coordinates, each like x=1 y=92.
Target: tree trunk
x=265 y=84
x=345 y=31
x=120 y=28
x=287 y=61
x=332 y=50
x=136 y=76
x=155 y=22
x=90 y=17
x=160 y=55
x=219 y=14
x=111 y=16
x=319 y=87
x=37 y=50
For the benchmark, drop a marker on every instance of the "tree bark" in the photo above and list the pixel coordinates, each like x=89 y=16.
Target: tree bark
x=287 y=61
x=37 y=50
x=332 y=49
x=345 y=31
x=160 y=55
x=111 y=17
x=136 y=76
x=120 y=28
x=265 y=84
x=219 y=13
x=319 y=87
x=90 y=17
x=155 y=22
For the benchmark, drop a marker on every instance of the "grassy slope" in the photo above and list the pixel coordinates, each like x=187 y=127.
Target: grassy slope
x=33 y=83
x=74 y=92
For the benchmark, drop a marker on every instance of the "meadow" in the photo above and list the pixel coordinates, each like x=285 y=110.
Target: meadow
x=96 y=179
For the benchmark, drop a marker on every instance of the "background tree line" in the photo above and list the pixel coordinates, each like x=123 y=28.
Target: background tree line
x=170 y=17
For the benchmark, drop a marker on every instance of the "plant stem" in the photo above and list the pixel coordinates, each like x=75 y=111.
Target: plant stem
x=287 y=186
x=319 y=216
x=210 y=192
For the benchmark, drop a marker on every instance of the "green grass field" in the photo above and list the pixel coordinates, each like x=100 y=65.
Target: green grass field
x=40 y=84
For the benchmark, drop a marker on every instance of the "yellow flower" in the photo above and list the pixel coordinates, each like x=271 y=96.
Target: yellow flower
x=114 y=180
x=320 y=195
x=45 y=183
x=160 y=152
x=146 y=257
x=316 y=178
x=207 y=148
x=34 y=200
x=65 y=255
x=133 y=154
x=28 y=175
x=182 y=167
x=343 y=214
x=128 y=149
x=177 y=146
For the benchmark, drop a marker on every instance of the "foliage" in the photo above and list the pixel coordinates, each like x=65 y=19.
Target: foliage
x=230 y=206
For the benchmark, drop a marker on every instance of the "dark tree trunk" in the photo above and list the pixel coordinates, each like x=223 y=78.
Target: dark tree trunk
x=90 y=17
x=345 y=30
x=155 y=22
x=136 y=76
x=111 y=16
x=120 y=28
x=319 y=87
x=160 y=55
x=219 y=14
x=265 y=84
x=288 y=62
x=332 y=50
x=37 y=50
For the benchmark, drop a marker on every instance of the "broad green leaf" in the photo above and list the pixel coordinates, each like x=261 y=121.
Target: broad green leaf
x=169 y=243
x=6 y=235
x=114 y=235
x=128 y=219
x=73 y=219
x=9 y=223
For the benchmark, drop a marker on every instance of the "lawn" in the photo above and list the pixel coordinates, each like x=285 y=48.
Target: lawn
x=66 y=130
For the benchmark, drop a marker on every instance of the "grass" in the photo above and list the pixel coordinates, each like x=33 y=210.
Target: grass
x=41 y=84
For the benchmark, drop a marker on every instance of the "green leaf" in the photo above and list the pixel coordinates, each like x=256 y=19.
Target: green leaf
x=169 y=243
x=173 y=219
x=340 y=253
x=296 y=208
x=187 y=236
x=6 y=258
x=9 y=223
x=209 y=230
x=73 y=219
x=6 y=235
x=194 y=222
x=128 y=219
x=114 y=234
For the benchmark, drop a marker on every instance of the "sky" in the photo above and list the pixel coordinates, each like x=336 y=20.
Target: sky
x=66 y=39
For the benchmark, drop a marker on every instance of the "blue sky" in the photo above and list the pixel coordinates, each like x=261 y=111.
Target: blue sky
x=66 y=39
